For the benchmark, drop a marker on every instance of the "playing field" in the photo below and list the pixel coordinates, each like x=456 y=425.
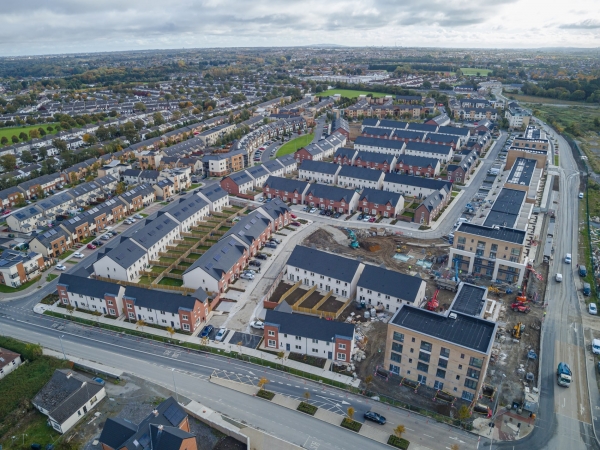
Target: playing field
x=295 y=144
x=15 y=131
x=349 y=93
x=471 y=71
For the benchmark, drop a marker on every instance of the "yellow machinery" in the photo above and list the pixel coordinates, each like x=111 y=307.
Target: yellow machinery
x=516 y=332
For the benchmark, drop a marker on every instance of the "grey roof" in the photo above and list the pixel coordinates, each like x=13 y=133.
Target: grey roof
x=380 y=197
x=87 y=286
x=522 y=171
x=386 y=123
x=150 y=174
x=84 y=188
x=55 y=200
x=286 y=184
x=65 y=393
x=433 y=200
x=389 y=282
x=453 y=131
x=376 y=142
x=40 y=180
x=361 y=173
x=469 y=299
x=162 y=301
x=51 y=235
x=249 y=228
x=466 y=331
x=428 y=183
x=122 y=434
x=273 y=165
x=131 y=173
x=184 y=207
x=330 y=192
x=422 y=127
x=443 y=138
x=500 y=233
x=105 y=180
x=287 y=160
x=378 y=131
x=505 y=210
x=142 y=189
x=417 y=161
x=370 y=122
x=219 y=258
x=344 y=152
x=374 y=157
x=153 y=231
x=27 y=212
x=240 y=178
x=11 y=190
x=126 y=253
x=319 y=167
x=308 y=326
x=257 y=171
x=214 y=192
x=275 y=208
x=430 y=148
x=323 y=263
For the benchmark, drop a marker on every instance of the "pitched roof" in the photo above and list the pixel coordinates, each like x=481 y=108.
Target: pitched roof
x=330 y=192
x=361 y=173
x=153 y=231
x=249 y=228
x=184 y=207
x=423 y=182
x=429 y=148
x=126 y=253
x=219 y=258
x=344 y=152
x=380 y=197
x=417 y=161
x=286 y=184
x=214 y=192
x=323 y=263
x=88 y=286
x=308 y=326
x=389 y=282
x=376 y=142
x=65 y=394
x=160 y=300
x=319 y=167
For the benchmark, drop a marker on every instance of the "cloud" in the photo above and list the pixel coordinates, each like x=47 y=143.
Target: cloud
x=589 y=24
x=58 y=26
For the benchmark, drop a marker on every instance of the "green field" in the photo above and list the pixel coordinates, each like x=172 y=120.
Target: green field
x=349 y=93
x=472 y=71
x=295 y=144
x=15 y=131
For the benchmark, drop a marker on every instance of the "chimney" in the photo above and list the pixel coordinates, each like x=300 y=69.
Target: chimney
x=69 y=375
x=160 y=428
x=155 y=412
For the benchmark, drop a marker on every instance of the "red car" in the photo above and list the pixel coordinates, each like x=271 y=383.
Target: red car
x=91 y=246
x=372 y=219
x=296 y=224
x=293 y=216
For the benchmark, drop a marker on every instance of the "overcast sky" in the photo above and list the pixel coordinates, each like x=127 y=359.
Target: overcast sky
x=32 y=27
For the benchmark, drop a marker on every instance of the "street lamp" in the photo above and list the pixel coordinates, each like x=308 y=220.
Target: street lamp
x=61 y=345
x=174 y=385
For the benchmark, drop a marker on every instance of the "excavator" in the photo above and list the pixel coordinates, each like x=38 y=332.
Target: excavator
x=433 y=304
x=516 y=331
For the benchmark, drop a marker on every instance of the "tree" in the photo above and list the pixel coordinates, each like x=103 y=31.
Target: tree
x=140 y=324
x=350 y=413
x=455 y=447
x=90 y=139
x=139 y=106
x=89 y=178
x=20 y=200
x=463 y=413
x=60 y=145
x=138 y=124
x=262 y=382
x=427 y=84
x=23 y=136
x=39 y=192
x=33 y=351
x=368 y=380
x=102 y=133
x=4 y=140
x=73 y=177
x=158 y=118
x=306 y=395
x=8 y=162
x=48 y=166
x=26 y=156
x=43 y=152
x=399 y=431
x=171 y=331
x=34 y=134
x=70 y=309
x=121 y=188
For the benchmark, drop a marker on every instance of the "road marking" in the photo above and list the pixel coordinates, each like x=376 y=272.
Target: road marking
x=429 y=436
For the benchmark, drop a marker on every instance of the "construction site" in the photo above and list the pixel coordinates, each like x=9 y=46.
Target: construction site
x=513 y=369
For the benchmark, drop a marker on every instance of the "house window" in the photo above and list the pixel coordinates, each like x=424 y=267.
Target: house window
x=184 y=317
x=396 y=357
x=471 y=384
x=398 y=337
x=444 y=352
x=422 y=379
x=271 y=343
x=298 y=338
x=473 y=373
x=468 y=396
x=271 y=333
x=476 y=362
x=422 y=367
x=438 y=385
x=426 y=346
x=341 y=356
x=314 y=350
x=397 y=347
x=440 y=373
x=443 y=363
x=342 y=346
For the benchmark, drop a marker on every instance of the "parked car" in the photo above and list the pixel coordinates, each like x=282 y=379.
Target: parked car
x=322 y=212
x=254 y=263
x=259 y=325
x=220 y=334
x=312 y=210
x=277 y=241
x=247 y=276
x=261 y=256
x=127 y=222
x=271 y=245
x=91 y=246
x=99 y=380
x=293 y=216
x=329 y=212
x=250 y=271
x=105 y=237
x=61 y=267
x=337 y=215
x=581 y=195
x=296 y=224
x=97 y=243
x=592 y=309
x=138 y=216
x=206 y=331
x=78 y=255
x=374 y=417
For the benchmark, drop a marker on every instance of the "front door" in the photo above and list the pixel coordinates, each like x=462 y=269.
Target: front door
x=172 y=323
x=76 y=305
x=329 y=355
x=287 y=347
x=104 y=310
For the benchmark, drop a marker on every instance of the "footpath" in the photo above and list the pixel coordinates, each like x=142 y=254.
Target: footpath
x=301 y=369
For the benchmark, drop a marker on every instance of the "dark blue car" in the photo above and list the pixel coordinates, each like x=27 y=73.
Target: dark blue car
x=374 y=417
x=206 y=331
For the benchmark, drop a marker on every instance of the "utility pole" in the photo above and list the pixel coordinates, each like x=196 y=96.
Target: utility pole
x=174 y=385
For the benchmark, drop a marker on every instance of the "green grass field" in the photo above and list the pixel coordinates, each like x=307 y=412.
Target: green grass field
x=542 y=100
x=472 y=71
x=295 y=144
x=349 y=93
x=15 y=131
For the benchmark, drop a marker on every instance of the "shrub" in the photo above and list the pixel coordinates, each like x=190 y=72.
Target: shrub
x=398 y=442
x=267 y=395
x=307 y=408
x=351 y=424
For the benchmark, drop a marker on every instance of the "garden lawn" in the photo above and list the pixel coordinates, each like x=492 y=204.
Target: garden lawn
x=350 y=93
x=473 y=71
x=166 y=281
x=15 y=131
x=295 y=144
x=8 y=289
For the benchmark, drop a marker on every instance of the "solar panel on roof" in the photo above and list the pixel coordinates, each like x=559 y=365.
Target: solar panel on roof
x=217 y=257
x=232 y=242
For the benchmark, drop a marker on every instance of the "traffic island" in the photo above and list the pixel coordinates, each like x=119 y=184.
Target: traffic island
x=350 y=424
x=267 y=395
x=397 y=442
x=307 y=408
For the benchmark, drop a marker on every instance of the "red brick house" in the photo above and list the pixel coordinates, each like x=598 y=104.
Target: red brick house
x=345 y=156
x=380 y=203
x=457 y=173
x=330 y=197
x=374 y=160
x=285 y=189
x=418 y=165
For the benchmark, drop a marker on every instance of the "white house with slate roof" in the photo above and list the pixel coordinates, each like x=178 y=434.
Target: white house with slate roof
x=67 y=398
x=327 y=271
x=89 y=294
x=378 y=286
x=318 y=171
x=216 y=197
x=186 y=211
x=124 y=262
x=359 y=177
x=156 y=235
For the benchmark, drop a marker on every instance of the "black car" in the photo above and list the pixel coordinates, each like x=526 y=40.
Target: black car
x=322 y=212
x=271 y=245
x=254 y=263
x=373 y=416
x=97 y=243
x=261 y=256
x=337 y=215
x=360 y=217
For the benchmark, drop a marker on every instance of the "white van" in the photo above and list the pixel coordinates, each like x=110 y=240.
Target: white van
x=596 y=346
x=559 y=277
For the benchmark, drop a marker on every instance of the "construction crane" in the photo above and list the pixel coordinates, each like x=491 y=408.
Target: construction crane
x=433 y=304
